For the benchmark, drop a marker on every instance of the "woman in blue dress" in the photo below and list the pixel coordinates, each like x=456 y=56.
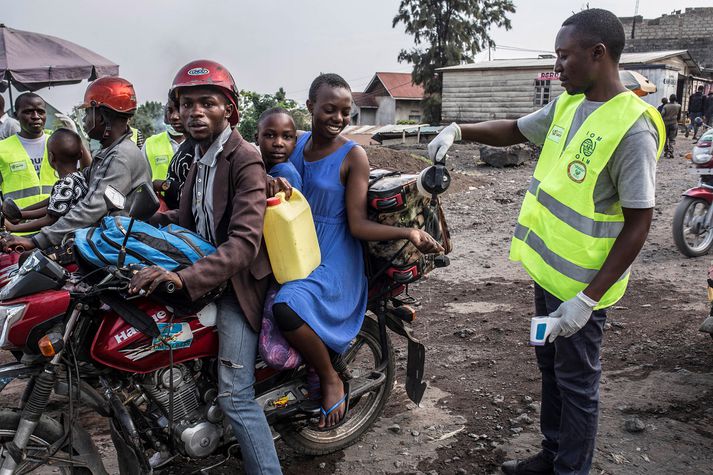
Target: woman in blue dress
x=325 y=311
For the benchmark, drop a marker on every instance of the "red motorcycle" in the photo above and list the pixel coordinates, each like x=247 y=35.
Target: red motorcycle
x=151 y=369
x=693 y=219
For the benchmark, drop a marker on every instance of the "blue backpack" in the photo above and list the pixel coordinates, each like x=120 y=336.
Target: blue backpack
x=171 y=247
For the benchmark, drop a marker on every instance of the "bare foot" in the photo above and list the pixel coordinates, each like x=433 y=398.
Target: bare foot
x=332 y=393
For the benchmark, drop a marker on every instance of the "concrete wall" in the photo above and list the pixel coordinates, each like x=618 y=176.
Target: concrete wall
x=386 y=113
x=475 y=96
x=691 y=29
x=405 y=109
x=367 y=117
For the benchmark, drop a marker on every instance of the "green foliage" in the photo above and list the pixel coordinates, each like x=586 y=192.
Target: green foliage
x=406 y=122
x=446 y=33
x=252 y=104
x=148 y=118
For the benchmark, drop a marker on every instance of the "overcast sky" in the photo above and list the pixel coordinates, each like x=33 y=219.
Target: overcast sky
x=267 y=44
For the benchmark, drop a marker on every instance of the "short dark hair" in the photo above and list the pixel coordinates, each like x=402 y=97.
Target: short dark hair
x=70 y=143
x=672 y=98
x=26 y=95
x=271 y=112
x=596 y=25
x=2 y=104
x=700 y=88
x=327 y=79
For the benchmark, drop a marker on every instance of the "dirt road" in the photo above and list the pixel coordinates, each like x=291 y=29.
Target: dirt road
x=483 y=398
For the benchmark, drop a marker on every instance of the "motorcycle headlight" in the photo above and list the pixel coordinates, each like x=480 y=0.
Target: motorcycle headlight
x=701 y=158
x=9 y=315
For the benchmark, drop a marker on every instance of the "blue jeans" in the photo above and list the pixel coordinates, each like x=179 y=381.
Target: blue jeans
x=570 y=370
x=236 y=376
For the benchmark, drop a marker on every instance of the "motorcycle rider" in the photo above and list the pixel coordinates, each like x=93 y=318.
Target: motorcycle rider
x=224 y=200
x=109 y=103
x=583 y=221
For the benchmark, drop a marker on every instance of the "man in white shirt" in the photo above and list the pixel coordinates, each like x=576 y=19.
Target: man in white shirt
x=8 y=125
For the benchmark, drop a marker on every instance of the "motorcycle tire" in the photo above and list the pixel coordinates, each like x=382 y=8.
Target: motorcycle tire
x=48 y=431
x=363 y=412
x=681 y=218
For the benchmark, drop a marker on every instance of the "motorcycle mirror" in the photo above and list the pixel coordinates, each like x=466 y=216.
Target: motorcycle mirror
x=11 y=211
x=145 y=202
x=113 y=198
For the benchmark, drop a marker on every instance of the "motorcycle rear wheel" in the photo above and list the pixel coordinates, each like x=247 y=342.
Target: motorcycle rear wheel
x=363 y=411
x=48 y=431
x=688 y=215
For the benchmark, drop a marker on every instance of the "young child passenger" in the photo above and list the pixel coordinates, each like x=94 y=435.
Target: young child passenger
x=277 y=136
x=325 y=311
x=64 y=150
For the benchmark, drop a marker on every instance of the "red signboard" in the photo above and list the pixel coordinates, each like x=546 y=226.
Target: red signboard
x=548 y=76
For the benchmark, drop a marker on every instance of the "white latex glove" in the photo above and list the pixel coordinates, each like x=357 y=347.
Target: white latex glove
x=438 y=147
x=571 y=316
x=66 y=122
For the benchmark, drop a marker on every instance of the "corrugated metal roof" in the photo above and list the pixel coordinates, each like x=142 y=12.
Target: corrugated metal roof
x=535 y=63
x=398 y=85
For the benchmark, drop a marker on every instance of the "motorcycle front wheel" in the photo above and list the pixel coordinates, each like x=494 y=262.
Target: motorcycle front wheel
x=691 y=236
x=362 y=358
x=48 y=432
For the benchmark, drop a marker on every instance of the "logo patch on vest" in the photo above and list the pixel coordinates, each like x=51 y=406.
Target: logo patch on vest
x=577 y=171
x=161 y=159
x=556 y=134
x=18 y=166
x=587 y=147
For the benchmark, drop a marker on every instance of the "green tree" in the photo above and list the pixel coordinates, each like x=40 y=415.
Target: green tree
x=252 y=104
x=148 y=118
x=446 y=33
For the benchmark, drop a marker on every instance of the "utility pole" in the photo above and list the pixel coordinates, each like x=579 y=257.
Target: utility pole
x=633 y=23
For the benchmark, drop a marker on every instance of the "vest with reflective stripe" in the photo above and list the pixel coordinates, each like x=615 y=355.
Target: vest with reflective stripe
x=134 y=135
x=19 y=179
x=159 y=152
x=560 y=239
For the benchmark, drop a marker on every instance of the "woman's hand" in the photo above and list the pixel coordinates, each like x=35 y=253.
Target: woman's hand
x=424 y=242
x=16 y=244
x=145 y=281
x=276 y=185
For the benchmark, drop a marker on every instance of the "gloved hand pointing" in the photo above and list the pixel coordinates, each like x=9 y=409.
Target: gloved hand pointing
x=571 y=316
x=438 y=147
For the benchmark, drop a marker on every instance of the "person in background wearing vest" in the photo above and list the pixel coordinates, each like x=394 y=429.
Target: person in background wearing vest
x=160 y=148
x=8 y=125
x=584 y=219
x=696 y=108
x=137 y=137
x=25 y=172
x=109 y=103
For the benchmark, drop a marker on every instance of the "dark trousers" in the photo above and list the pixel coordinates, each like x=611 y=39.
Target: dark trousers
x=570 y=370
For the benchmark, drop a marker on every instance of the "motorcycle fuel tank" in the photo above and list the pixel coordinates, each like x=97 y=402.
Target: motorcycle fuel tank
x=119 y=345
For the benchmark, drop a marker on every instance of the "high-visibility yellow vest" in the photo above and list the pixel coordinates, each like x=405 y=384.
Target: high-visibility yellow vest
x=159 y=152
x=134 y=135
x=19 y=179
x=560 y=239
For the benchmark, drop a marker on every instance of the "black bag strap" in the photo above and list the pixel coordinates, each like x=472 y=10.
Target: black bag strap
x=131 y=315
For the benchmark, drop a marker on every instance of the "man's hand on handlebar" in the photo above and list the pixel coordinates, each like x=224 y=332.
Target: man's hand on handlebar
x=13 y=243
x=145 y=281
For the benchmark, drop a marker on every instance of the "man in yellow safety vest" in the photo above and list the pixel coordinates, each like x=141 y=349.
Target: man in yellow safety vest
x=584 y=219
x=160 y=148
x=25 y=173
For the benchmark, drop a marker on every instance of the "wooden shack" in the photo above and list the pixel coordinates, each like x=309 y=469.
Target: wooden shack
x=512 y=88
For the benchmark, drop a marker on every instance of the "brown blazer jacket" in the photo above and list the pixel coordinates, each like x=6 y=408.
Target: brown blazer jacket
x=238 y=212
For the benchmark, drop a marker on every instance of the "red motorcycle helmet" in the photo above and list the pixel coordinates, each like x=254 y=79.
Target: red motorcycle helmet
x=204 y=72
x=112 y=92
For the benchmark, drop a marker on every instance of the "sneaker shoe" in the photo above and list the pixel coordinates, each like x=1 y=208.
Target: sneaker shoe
x=538 y=464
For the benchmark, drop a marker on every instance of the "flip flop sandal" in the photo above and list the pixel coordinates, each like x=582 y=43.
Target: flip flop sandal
x=344 y=400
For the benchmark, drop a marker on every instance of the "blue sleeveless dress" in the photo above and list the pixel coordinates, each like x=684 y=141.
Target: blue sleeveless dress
x=332 y=299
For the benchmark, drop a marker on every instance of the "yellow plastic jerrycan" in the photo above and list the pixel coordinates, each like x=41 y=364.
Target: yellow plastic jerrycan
x=290 y=237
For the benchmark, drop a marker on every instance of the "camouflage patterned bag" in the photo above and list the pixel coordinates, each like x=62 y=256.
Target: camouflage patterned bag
x=394 y=200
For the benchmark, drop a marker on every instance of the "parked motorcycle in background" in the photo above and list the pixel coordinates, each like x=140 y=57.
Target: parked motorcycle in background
x=693 y=218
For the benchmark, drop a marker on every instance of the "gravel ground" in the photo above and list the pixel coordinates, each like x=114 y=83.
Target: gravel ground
x=482 y=403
